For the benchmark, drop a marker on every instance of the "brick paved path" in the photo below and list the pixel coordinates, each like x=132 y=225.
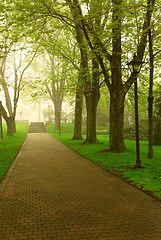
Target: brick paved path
x=53 y=193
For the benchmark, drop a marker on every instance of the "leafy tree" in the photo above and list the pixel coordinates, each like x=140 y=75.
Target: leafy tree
x=65 y=49
x=19 y=70
x=11 y=71
x=89 y=76
x=116 y=15
x=78 y=110
x=151 y=39
x=56 y=91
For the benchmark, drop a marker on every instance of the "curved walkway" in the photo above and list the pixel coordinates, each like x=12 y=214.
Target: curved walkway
x=52 y=193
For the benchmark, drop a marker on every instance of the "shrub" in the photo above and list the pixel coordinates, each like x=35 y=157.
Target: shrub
x=129 y=132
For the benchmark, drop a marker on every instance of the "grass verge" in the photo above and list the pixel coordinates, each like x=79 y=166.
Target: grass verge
x=148 y=179
x=10 y=146
x=69 y=128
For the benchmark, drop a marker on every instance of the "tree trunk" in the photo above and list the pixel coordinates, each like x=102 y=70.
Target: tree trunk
x=92 y=98
x=91 y=85
x=9 y=120
x=117 y=95
x=14 y=125
x=10 y=126
x=78 y=114
x=14 y=121
x=117 y=122
x=57 y=91
x=7 y=97
x=57 y=100
x=91 y=137
x=150 y=111
x=150 y=98
x=57 y=116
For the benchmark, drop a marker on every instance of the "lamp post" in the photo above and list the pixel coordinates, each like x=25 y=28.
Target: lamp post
x=135 y=66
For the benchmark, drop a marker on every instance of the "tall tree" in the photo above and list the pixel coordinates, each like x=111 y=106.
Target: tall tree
x=56 y=91
x=153 y=35
x=18 y=72
x=114 y=81
x=77 y=135
x=66 y=49
x=11 y=69
x=90 y=78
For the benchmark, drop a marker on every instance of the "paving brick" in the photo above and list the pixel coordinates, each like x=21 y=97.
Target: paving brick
x=53 y=193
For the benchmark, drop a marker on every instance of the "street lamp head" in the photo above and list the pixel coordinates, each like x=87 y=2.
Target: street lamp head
x=135 y=64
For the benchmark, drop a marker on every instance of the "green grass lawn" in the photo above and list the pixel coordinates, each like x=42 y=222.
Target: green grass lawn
x=69 y=128
x=10 y=146
x=148 y=179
